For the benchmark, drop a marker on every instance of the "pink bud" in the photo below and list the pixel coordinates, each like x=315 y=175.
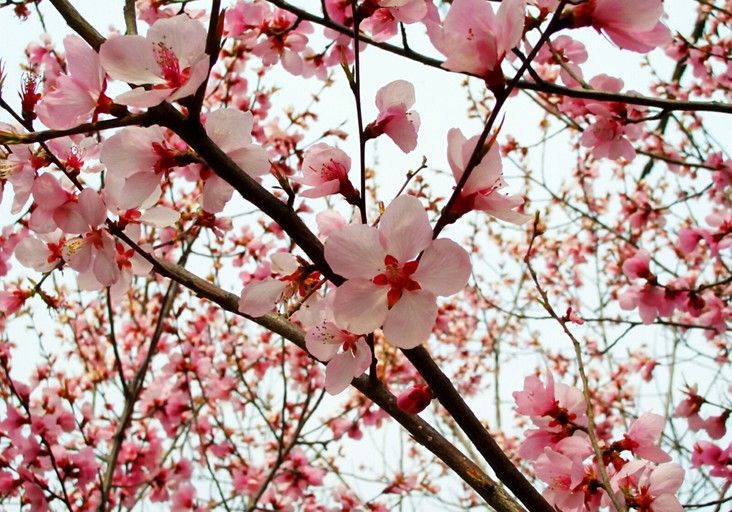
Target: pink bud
x=415 y=399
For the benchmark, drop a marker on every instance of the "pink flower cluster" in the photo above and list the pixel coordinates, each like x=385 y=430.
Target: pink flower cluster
x=654 y=299
x=563 y=457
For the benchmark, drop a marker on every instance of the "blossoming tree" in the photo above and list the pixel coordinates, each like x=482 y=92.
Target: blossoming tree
x=211 y=300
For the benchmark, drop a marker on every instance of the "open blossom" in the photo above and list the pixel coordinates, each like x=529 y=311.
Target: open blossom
x=325 y=169
x=384 y=21
x=558 y=411
x=386 y=285
x=286 y=40
x=395 y=119
x=171 y=58
x=93 y=254
x=55 y=207
x=481 y=191
x=78 y=96
x=649 y=487
x=475 y=39
x=631 y=24
x=279 y=280
x=638 y=266
x=12 y=300
x=43 y=253
x=18 y=167
x=567 y=53
x=568 y=482
x=643 y=437
x=136 y=159
x=348 y=355
x=610 y=135
x=709 y=454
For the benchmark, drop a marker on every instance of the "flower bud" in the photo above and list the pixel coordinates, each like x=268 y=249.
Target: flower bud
x=415 y=399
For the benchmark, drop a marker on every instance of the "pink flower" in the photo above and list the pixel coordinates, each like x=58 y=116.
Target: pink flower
x=648 y=299
x=171 y=57
x=706 y=453
x=78 y=96
x=631 y=24
x=325 y=169
x=566 y=52
x=608 y=140
x=536 y=399
x=610 y=134
x=637 y=267
x=386 y=285
x=689 y=408
x=475 y=39
x=286 y=39
x=688 y=239
x=41 y=254
x=387 y=14
x=643 y=437
x=12 y=301
x=18 y=167
x=136 y=159
x=54 y=207
x=395 y=119
x=716 y=426
x=323 y=342
x=297 y=475
x=262 y=296
x=184 y=497
x=94 y=254
x=566 y=480
x=481 y=191
x=552 y=405
x=650 y=487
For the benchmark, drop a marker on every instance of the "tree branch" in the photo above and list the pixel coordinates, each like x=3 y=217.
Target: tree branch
x=544 y=87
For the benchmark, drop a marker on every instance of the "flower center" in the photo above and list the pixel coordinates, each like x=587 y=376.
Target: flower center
x=170 y=66
x=166 y=158
x=71 y=247
x=398 y=278
x=7 y=168
x=331 y=171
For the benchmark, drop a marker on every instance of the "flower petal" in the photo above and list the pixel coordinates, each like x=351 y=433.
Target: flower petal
x=360 y=306
x=130 y=59
x=409 y=323
x=355 y=251
x=160 y=216
x=261 y=297
x=339 y=372
x=230 y=128
x=323 y=340
x=398 y=92
x=405 y=229
x=444 y=268
x=184 y=36
x=140 y=98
